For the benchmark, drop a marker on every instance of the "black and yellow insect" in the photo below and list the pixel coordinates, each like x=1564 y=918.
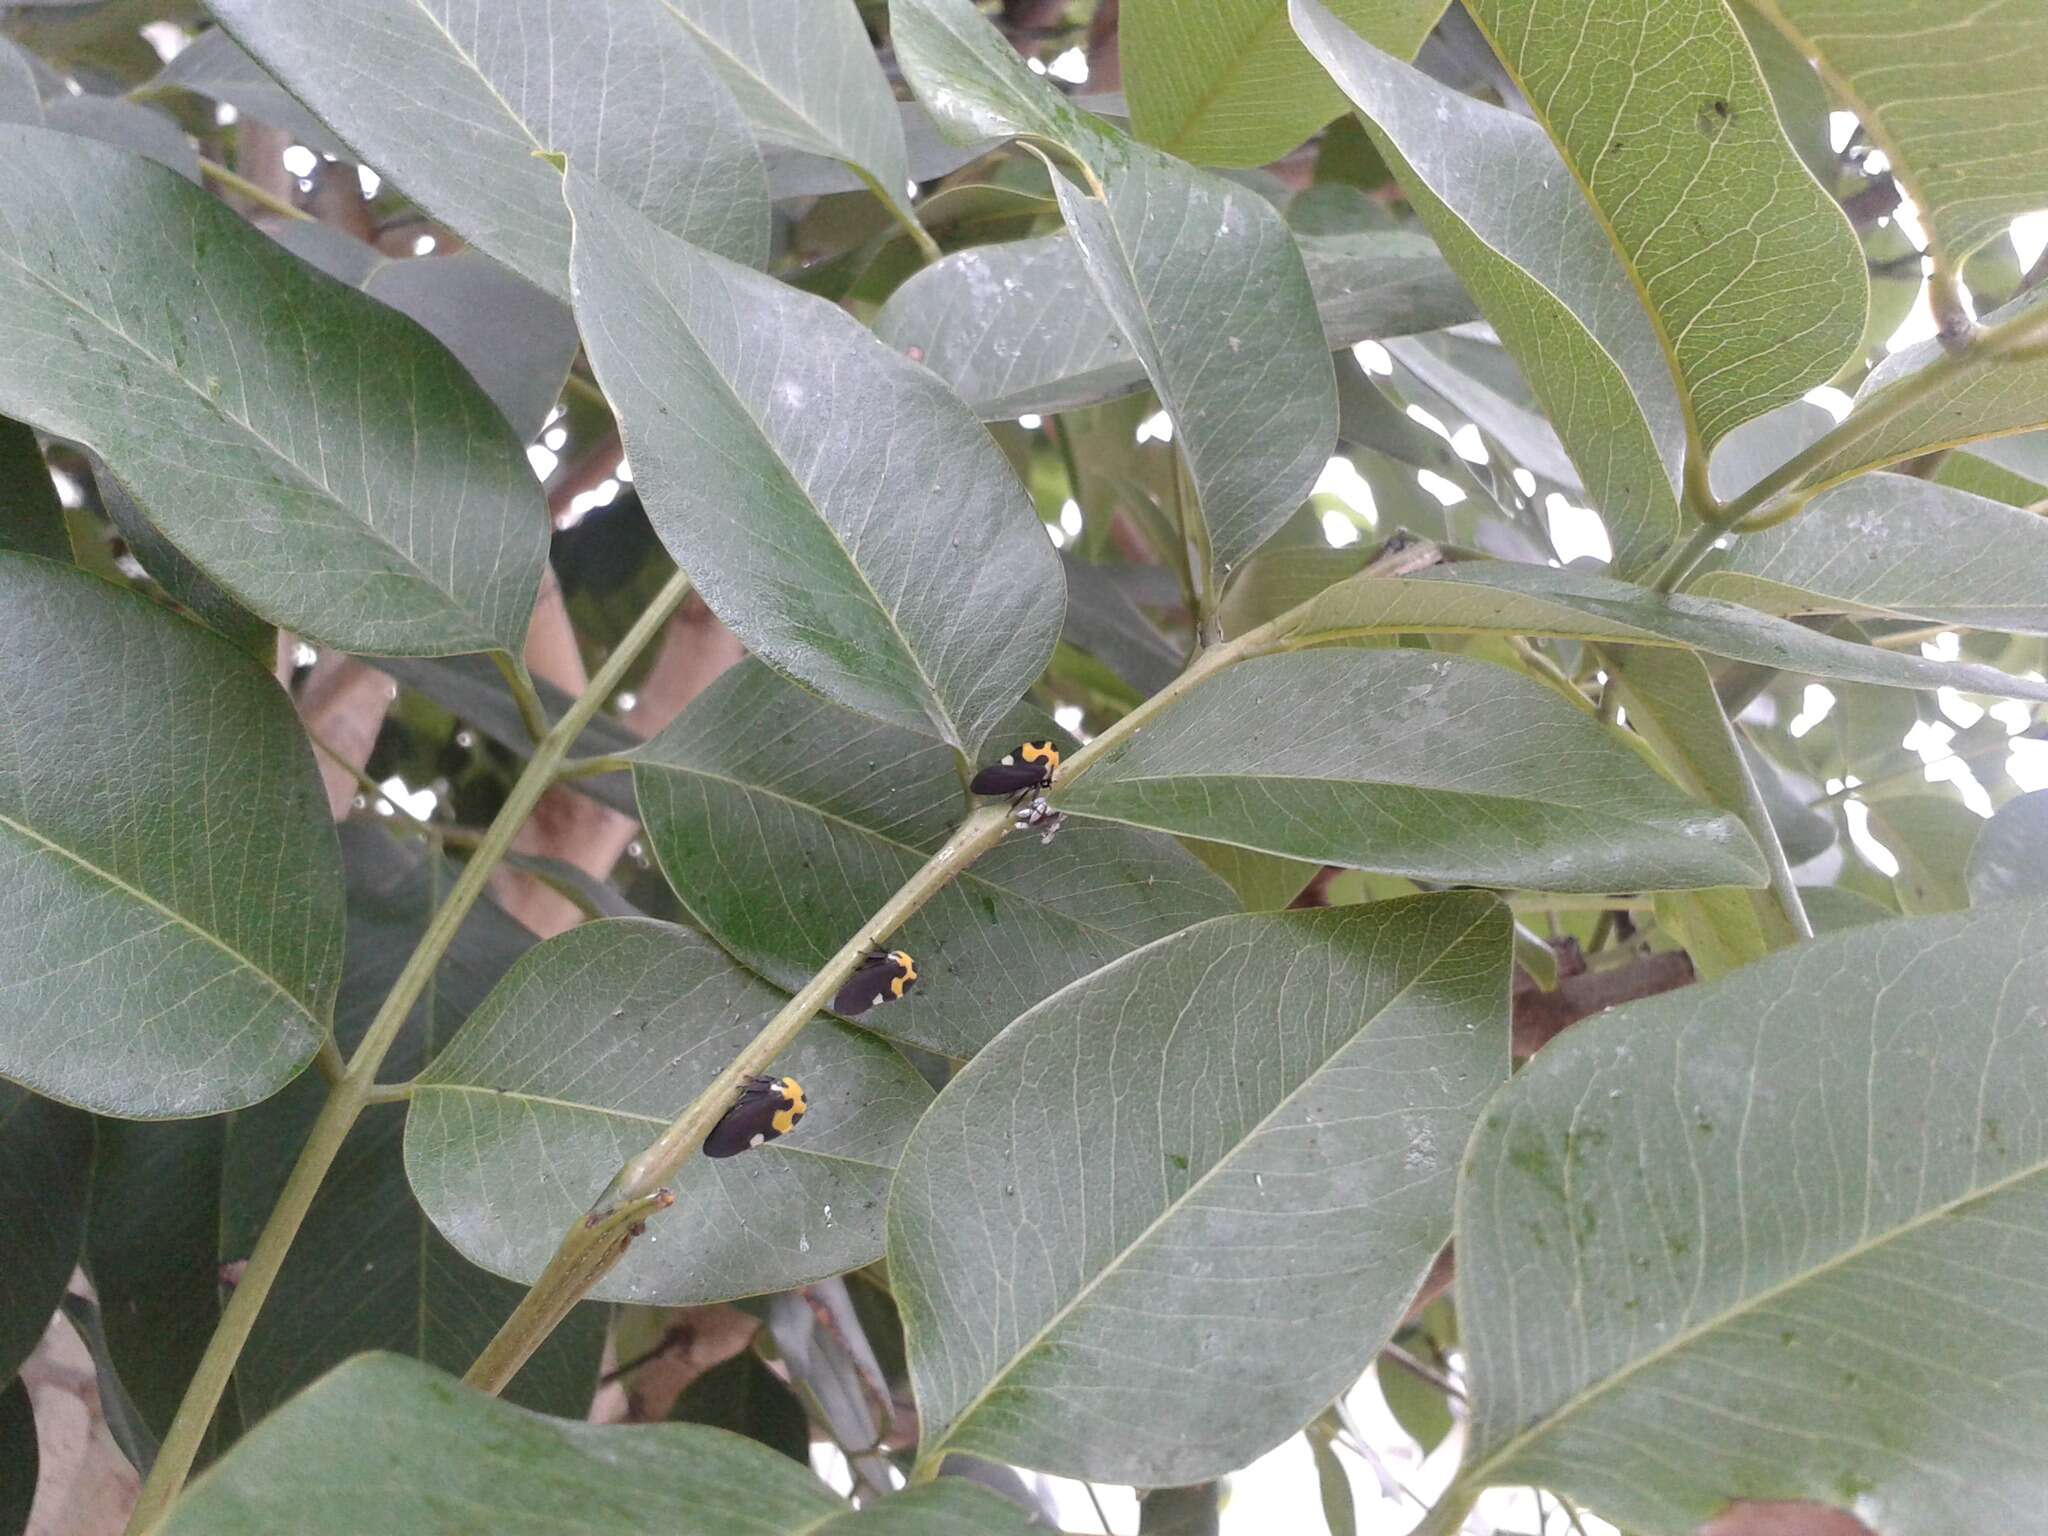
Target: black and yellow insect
x=882 y=977
x=1031 y=766
x=769 y=1107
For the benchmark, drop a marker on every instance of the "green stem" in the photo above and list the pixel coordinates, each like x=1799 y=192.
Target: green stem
x=243 y=187
x=1057 y=431
x=358 y=1085
x=589 y=1249
x=1447 y=1518
x=594 y=767
x=532 y=713
x=1780 y=492
x=921 y=237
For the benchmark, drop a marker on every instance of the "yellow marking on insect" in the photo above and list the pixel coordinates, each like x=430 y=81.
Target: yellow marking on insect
x=785 y=1118
x=1041 y=752
x=898 y=985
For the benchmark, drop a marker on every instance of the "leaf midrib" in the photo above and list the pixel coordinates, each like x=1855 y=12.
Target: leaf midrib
x=277 y=455
x=1665 y=341
x=796 y=109
x=1600 y=806
x=1191 y=120
x=1174 y=1206
x=476 y=69
x=241 y=961
x=1475 y=1475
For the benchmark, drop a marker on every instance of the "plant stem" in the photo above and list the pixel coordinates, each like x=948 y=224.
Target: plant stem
x=359 y=1084
x=242 y=186
x=1779 y=493
x=594 y=767
x=532 y=713
x=328 y=1060
x=588 y=1250
x=927 y=247
x=1448 y=1517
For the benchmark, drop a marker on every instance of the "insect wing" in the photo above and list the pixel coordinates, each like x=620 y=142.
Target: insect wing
x=753 y=1116
x=1008 y=778
x=867 y=986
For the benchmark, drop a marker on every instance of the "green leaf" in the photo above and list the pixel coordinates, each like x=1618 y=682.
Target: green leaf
x=1748 y=269
x=1200 y=275
x=1714 y=1245
x=618 y=88
x=124 y=1421
x=1333 y=1486
x=108 y=119
x=184 y=971
x=21 y=100
x=887 y=555
x=806 y=76
x=45 y=1163
x=1671 y=704
x=1807 y=833
x=1487 y=597
x=474 y=691
x=1478 y=381
x=213 y=66
x=1895 y=546
x=1104 y=619
x=1960 y=111
x=1413 y=763
x=339 y=475
x=2009 y=861
x=584 y=1053
x=1195 y=1510
x=1835 y=909
x=1263 y=882
x=1722 y=930
x=2008 y=469
x=781 y=820
x=1796 y=93
x=20 y=1462
x=152 y=1249
x=820 y=1342
x=1968 y=397
x=1490 y=187
x=405 y=1288
x=34 y=524
x=1226 y=326
x=181 y=580
x=1017 y=328
x=1420 y=1407
x=393 y=1445
x=1224 y=82
x=1932 y=837
x=516 y=341
x=744 y=1396
x=1160 y=1222
x=99 y=40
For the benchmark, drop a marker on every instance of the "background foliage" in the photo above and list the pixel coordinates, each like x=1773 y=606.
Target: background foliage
x=519 y=522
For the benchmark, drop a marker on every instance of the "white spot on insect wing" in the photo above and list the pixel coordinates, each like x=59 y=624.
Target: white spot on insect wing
x=878 y=999
x=1010 y=761
x=756 y=1139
